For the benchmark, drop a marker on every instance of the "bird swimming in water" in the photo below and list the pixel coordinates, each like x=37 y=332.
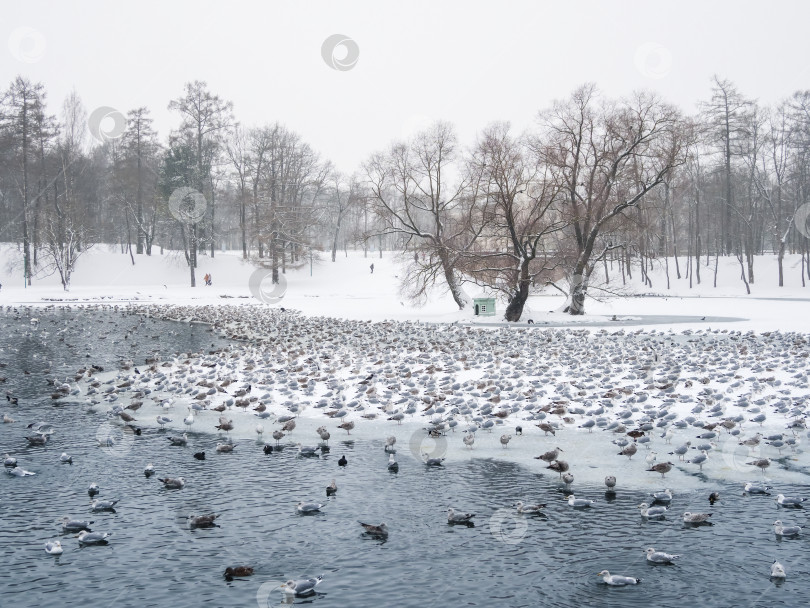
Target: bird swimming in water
x=380 y=531
x=777 y=570
x=659 y=557
x=93 y=489
x=268 y=449
x=459 y=518
x=579 y=503
x=173 y=483
x=696 y=518
x=232 y=572
x=199 y=455
x=65 y=459
x=331 y=489
x=74 y=525
x=308 y=507
x=149 y=470
x=342 y=461
x=714 y=497
x=528 y=509
x=301 y=587
x=393 y=465
x=93 y=538
x=98 y=506
x=53 y=547
x=202 y=521
x=616 y=580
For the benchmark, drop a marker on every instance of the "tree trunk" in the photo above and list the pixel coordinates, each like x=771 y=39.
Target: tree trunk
x=515 y=308
x=456 y=291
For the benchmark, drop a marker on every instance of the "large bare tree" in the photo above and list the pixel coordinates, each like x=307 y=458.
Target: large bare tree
x=606 y=156
x=416 y=190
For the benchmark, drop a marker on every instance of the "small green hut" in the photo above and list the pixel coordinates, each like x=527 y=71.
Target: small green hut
x=484 y=307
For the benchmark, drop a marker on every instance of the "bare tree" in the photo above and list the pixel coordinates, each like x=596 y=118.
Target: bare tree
x=606 y=156
x=516 y=203
x=410 y=196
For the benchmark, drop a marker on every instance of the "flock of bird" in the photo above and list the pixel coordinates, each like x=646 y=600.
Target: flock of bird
x=639 y=390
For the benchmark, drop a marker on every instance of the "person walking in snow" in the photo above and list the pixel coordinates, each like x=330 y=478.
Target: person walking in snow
x=372 y=268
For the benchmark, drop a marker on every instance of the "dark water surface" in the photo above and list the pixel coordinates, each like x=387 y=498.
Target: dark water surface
x=154 y=559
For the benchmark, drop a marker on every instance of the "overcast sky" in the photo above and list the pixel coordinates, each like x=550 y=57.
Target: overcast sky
x=465 y=61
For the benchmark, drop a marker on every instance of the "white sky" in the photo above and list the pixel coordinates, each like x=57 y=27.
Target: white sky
x=470 y=62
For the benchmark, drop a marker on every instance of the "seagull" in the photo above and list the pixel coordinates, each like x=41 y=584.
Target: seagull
x=696 y=518
x=149 y=470
x=225 y=448
x=278 y=436
x=789 y=501
x=652 y=512
x=762 y=463
x=659 y=557
x=74 y=525
x=308 y=507
x=459 y=518
x=661 y=467
x=93 y=538
x=172 y=483
x=53 y=547
x=616 y=580
x=393 y=465
x=174 y=440
x=549 y=456
x=781 y=530
x=505 y=440
x=527 y=509
x=700 y=459
x=163 y=420
x=347 y=426
x=757 y=488
x=579 y=503
x=323 y=433
x=777 y=570
x=9 y=461
x=432 y=462
x=93 y=489
x=372 y=530
x=307 y=450
x=331 y=489
x=19 y=472
x=714 y=497
x=629 y=451
x=664 y=496
x=469 y=439
x=610 y=482
x=301 y=587
x=65 y=459
x=103 y=505
x=389 y=443
x=189 y=420
x=560 y=466
x=567 y=478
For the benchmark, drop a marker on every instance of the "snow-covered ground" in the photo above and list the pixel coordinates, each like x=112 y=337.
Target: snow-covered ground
x=347 y=289
x=330 y=345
